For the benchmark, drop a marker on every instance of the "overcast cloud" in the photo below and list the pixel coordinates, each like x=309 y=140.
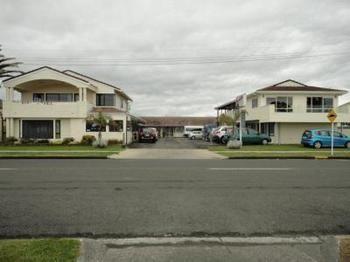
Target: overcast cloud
x=158 y=51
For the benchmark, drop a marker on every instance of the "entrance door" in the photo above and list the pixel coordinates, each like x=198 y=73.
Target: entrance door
x=37 y=129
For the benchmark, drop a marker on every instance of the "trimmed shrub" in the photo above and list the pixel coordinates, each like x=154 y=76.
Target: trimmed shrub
x=27 y=141
x=87 y=140
x=114 y=142
x=11 y=140
x=67 y=140
x=42 y=141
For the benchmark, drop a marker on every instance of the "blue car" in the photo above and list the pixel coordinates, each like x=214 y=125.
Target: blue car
x=318 y=138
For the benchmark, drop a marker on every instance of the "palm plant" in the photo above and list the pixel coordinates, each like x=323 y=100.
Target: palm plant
x=99 y=120
x=5 y=64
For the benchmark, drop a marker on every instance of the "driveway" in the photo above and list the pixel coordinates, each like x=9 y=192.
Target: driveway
x=169 y=148
x=174 y=143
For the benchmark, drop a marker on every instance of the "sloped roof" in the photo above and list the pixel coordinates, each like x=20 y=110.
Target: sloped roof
x=173 y=121
x=292 y=85
x=117 y=89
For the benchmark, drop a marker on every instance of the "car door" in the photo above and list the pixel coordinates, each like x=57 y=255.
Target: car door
x=254 y=137
x=339 y=141
x=324 y=136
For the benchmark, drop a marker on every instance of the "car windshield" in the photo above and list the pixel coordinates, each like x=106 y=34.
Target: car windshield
x=307 y=133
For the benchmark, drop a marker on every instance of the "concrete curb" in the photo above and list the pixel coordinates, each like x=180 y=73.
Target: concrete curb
x=54 y=157
x=98 y=249
x=288 y=157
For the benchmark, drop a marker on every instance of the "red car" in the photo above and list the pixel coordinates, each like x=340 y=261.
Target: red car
x=148 y=134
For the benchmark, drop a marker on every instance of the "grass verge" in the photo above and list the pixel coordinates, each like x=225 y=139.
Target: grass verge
x=344 y=250
x=280 y=151
x=39 y=250
x=53 y=151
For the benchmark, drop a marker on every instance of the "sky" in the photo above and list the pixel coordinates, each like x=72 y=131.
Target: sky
x=183 y=57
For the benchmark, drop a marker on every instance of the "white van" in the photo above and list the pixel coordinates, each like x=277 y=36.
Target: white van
x=189 y=129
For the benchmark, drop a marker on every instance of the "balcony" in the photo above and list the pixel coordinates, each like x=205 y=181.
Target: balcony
x=14 y=109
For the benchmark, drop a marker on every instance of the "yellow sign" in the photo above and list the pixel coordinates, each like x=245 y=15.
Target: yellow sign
x=332 y=115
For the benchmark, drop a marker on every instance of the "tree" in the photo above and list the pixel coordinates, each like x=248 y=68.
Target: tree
x=227 y=120
x=99 y=120
x=6 y=63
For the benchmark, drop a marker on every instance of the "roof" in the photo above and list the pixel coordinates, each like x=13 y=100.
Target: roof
x=117 y=89
x=292 y=85
x=174 y=121
x=48 y=67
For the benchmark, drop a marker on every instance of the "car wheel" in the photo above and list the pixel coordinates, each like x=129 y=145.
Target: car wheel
x=317 y=145
x=223 y=140
x=347 y=144
x=265 y=142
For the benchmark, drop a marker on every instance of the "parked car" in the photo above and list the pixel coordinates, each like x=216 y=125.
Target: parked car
x=148 y=134
x=318 y=138
x=221 y=134
x=207 y=130
x=188 y=129
x=249 y=136
x=195 y=135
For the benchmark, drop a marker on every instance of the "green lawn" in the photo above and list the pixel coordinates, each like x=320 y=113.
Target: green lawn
x=74 y=151
x=39 y=250
x=278 y=151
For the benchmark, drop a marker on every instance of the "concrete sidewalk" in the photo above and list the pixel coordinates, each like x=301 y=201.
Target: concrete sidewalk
x=211 y=249
x=155 y=153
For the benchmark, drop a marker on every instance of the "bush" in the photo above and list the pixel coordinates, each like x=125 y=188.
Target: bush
x=114 y=142
x=88 y=140
x=11 y=140
x=27 y=141
x=67 y=140
x=103 y=144
x=42 y=141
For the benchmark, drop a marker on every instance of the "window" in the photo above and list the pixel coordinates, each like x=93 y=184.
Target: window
x=282 y=103
x=121 y=103
x=38 y=97
x=59 y=97
x=76 y=97
x=254 y=102
x=93 y=127
x=105 y=99
x=319 y=104
x=345 y=125
x=323 y=133
x=115 y=126
x=58 y=129
x=268 y=129
x=337 y=134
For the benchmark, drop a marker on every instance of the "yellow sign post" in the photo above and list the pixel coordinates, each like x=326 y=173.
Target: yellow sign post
x=332 y=115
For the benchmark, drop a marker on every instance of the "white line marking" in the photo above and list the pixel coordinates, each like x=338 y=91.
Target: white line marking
x=7 y=168
x=252 y=168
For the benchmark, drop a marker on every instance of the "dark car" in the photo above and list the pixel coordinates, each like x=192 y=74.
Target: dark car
x=148 y=134
x=249 y=136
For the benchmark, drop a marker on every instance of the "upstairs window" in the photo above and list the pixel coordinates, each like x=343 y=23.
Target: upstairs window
x=282 y=103
x=59 y=97
x=38 y=97
x=254 y=102
x=319 y=104
x=105 y=99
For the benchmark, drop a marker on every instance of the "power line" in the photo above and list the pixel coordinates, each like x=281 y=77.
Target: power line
x=89 y=61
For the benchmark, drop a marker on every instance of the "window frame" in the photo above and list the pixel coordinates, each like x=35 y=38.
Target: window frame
x=59 y=97
x=104 y=128
x=275 y=101
x=101 y=99
x=311 y=109
x=121 y=126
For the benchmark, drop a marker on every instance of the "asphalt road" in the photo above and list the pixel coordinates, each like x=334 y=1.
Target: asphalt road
x=174 y=197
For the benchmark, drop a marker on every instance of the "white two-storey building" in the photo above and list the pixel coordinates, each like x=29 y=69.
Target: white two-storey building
x=54 y=104
x=286 y=109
